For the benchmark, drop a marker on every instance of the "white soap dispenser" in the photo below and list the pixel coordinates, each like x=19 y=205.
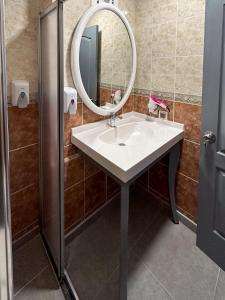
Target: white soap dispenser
x=20 y=93
x=70 y=100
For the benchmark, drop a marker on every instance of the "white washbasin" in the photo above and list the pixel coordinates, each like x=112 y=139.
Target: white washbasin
x=129 y=148
x=130 y=134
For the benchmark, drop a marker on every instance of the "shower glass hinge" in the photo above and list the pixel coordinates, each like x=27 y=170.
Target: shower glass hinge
x=113 y=2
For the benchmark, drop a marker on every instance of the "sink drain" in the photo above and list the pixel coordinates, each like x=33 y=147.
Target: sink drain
x=122 y=144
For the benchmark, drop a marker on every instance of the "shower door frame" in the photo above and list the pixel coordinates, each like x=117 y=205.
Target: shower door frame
x=6 y=272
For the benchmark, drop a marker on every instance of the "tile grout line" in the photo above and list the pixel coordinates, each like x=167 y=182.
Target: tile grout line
x=175 y=63
x=196 y=181
x=159 y=282
x=21 y=289
x=23 y=189
x=31 y=226
x=22 y=148
x=216 y=284
x=192 y=142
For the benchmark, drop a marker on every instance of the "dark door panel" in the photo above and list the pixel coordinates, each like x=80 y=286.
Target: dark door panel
x=211 y=221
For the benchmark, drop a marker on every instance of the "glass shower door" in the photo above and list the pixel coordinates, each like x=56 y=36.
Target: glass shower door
x=51 y=135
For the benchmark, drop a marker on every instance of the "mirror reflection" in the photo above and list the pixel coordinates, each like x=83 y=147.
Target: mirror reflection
x=105 y=59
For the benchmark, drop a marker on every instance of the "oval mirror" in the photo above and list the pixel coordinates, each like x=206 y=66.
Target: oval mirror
x=104 y=59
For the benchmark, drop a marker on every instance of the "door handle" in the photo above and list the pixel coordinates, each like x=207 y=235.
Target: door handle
x=209 y=138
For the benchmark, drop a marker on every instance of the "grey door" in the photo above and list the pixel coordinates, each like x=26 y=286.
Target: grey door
x=89 y=61
x=6 y=283
x=211 y=222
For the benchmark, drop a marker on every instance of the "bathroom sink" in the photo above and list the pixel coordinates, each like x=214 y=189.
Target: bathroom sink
x=130 y=134
x=129 y=148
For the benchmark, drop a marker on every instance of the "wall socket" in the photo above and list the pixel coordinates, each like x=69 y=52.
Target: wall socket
x=113 y=2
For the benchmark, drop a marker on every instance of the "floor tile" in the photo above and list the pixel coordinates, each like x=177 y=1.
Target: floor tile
x=170 y=253
x=94 y=255
x=220 y=289
x=141 y=285
x=43 y=287
x=28 y=261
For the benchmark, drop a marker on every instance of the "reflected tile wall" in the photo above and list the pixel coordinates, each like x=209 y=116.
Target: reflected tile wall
x=22 y=64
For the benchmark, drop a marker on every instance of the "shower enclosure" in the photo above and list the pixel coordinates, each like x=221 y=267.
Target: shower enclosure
x=6 y=287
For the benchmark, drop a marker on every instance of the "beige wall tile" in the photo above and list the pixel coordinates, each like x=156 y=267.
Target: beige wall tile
x=190 y=8
x=189 y=71
x=143 y=5
x=144 y=53
x=22 y=42
x=164 y=39
x=157 y=3
x=163 y=74
x=163 y=14
x=190 y=36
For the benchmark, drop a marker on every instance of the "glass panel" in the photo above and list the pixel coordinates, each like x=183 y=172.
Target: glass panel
x=50 y=149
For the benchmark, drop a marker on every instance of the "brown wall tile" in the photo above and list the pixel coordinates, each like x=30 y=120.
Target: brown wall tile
x=95 y=192
x=23 y=126
x=105 y=94
x=91 y=167
x=190 y=116
x=112 y=187
x=89 y=116
x=187 y=195
x=129 y=105
x=158 y=179
x=189 y=162
x=143 y=180
x=74 y=205
x=70 y=150
x=141 y=104
x=23 y=167
x=24 y=209
x=73 y=170
x=71 y=121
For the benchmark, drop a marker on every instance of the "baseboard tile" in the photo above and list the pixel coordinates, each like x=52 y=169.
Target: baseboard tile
x=187 y=222
x=25 y=238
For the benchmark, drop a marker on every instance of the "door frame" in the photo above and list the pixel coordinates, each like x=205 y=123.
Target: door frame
x=6 y=271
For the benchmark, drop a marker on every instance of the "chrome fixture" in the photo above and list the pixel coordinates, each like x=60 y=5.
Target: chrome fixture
x=112 y=121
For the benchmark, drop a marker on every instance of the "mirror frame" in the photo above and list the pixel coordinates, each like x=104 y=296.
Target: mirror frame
x=75 y=58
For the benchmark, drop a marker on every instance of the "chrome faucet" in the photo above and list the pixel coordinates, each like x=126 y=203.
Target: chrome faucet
x=112 y=120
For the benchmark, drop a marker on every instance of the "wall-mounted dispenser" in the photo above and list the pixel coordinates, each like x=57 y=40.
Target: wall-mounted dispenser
x=20 y=93
x=70 y=100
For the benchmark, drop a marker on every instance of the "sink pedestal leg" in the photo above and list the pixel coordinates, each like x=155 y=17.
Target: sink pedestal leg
x=124 y=220
x=173 y=165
